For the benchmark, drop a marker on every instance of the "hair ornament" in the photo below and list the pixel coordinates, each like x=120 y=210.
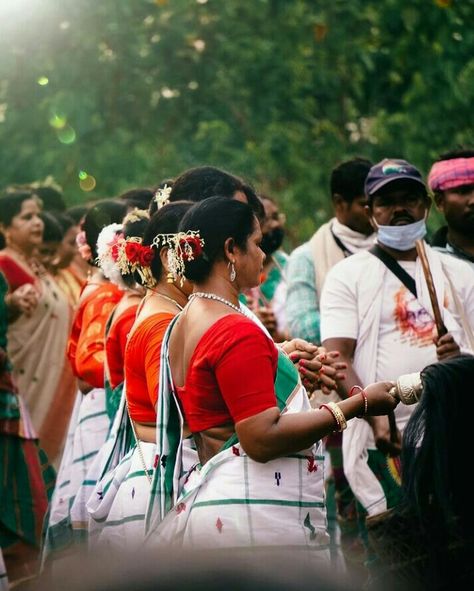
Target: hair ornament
x=136 y=215
x=133 y=256
x=108 y=253
x=84 y=249
x=162 y=196
x=182 y=247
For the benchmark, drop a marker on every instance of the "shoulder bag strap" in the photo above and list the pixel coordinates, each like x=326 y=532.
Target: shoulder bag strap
x=396 y=269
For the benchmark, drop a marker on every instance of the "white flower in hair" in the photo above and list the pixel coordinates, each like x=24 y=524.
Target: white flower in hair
x=106 y=241
x=162 y=196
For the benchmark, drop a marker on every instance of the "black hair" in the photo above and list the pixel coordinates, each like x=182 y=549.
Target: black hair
x=348 y=178
x=197 y=184
x=139 y=198
x=53 y=231
x=134 y=224
x=77 y=212
x=97 y=217
x=433 y=467
x=65 y=221
x=216 y=219
x=457 y=153
x=165 y=221
x=52 y=198
x=153 y=208
x=11 y=202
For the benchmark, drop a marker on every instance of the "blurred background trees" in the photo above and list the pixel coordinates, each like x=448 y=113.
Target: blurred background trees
x=111 y=94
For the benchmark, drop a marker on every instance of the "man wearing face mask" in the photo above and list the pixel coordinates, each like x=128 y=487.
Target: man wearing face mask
x=268 y=300
x=376 y=311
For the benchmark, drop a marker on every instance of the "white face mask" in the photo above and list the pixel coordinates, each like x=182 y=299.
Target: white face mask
x=401 y=237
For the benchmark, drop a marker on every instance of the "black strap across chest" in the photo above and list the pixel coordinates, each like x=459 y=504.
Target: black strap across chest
x=394 y=267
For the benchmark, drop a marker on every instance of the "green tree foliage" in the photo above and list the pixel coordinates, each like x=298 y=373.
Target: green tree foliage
x=279 y=91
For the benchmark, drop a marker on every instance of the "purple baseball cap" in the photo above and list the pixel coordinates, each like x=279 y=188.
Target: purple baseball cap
x=389 y=170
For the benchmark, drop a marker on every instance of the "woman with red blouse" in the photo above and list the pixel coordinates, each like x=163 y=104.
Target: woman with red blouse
x=259 y=481
x=117 y=512
x=90 y=424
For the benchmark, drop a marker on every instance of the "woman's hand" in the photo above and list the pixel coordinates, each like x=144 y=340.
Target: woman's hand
x=379 y=401
x=318 y=369
x=23 y=300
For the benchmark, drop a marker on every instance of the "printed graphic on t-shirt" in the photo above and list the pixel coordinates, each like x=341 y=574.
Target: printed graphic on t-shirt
x=414 y=323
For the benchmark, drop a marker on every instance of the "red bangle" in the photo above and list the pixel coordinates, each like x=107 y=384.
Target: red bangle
x=364 y=397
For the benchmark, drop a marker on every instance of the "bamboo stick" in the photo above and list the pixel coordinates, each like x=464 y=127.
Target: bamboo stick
x=420 y=249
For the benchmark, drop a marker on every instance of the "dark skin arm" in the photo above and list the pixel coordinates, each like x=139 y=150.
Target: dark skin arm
x=380 y=425
x=446 y=347
x=269 y=435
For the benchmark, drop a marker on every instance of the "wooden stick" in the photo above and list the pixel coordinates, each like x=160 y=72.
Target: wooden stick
x=420 y=249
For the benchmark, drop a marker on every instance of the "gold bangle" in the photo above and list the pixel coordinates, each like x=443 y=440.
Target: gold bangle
x=341 y=419
x=337 y=414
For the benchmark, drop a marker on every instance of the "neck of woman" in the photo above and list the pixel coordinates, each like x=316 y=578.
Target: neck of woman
x=25 y=253
x=222 y=287
x=171 y=291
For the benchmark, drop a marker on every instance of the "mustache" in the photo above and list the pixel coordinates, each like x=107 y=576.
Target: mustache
x=405 y=216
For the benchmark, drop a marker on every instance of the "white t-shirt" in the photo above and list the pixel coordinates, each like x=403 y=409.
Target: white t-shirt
x=406 y=330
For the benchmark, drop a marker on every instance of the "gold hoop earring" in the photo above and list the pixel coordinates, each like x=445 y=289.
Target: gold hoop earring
x=169 y=277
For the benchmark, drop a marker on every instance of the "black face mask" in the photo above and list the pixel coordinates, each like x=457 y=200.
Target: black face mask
x=271 y=241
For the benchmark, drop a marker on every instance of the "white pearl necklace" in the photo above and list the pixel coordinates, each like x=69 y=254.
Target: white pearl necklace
x=213 y=296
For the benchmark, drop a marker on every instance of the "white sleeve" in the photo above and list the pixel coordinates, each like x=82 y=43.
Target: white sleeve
x=339 y=318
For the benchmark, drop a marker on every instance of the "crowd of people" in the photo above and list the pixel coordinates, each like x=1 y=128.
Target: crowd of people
x=172 y=379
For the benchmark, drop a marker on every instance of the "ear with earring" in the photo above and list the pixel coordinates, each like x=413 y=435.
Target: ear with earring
x=232 y=273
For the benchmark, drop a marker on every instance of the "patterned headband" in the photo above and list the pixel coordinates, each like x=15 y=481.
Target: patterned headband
x=449 y=174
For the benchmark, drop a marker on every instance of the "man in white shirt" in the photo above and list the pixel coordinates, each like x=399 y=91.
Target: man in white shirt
x=382 y=322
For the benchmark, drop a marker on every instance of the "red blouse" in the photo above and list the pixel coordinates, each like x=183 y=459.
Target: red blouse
x=142 y=366
x=231 y=374
x=86 y=346
x=15 y=275
x=115 y=344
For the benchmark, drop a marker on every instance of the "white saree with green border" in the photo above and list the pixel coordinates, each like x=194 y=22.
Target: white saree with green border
x=88 y=430
x=233 y=501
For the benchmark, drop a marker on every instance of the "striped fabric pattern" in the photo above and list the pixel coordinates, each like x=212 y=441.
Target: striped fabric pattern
x=118 y=504
x=88 y=430
x=79 y=514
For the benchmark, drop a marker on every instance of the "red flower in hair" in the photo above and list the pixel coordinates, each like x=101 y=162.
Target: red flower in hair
x=146 y=255
x=114 y=252
x=190 y=242
x=132 y=250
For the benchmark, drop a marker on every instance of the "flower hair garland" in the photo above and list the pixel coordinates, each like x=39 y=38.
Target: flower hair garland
x=133 y=256
x=162 y=196
x=107 y=253
x=182 y=247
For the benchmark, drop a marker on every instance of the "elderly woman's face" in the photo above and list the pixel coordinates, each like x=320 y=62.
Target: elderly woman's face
x=26 y=228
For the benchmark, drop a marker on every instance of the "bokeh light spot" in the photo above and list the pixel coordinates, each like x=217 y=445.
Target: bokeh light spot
x=43 y=80
x=66 y=135
x=88 y=184
x=82 y=175
x=58 y=121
